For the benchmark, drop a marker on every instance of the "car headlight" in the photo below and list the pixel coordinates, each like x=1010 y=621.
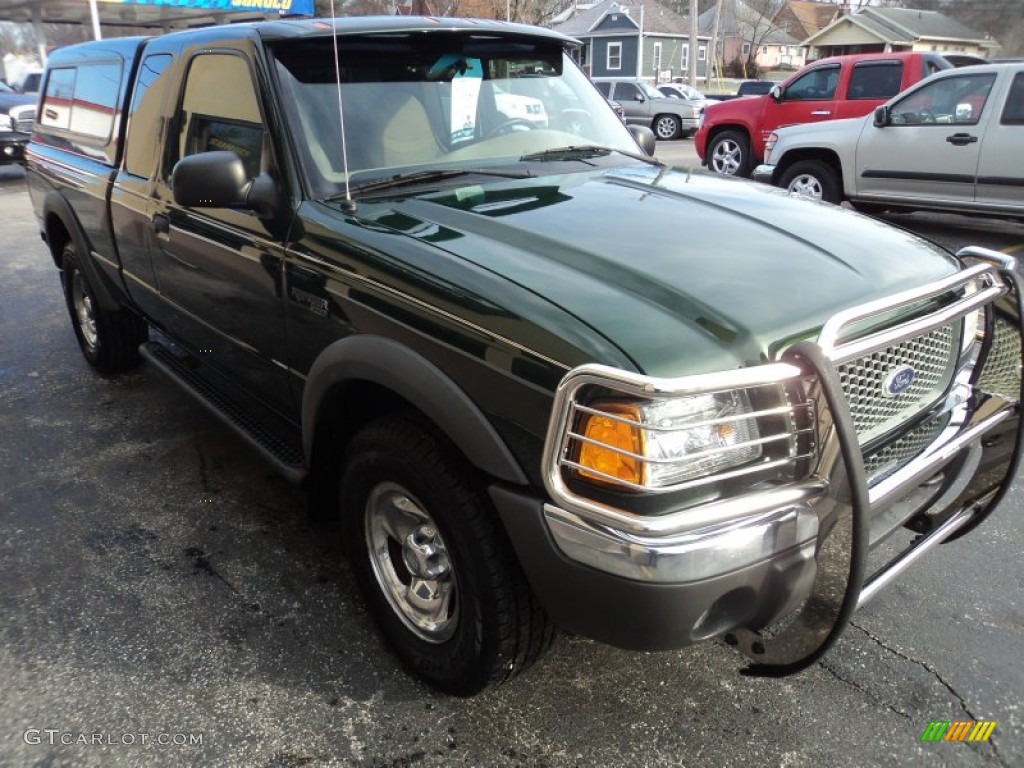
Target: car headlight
x=6 y=124
x=667 y=442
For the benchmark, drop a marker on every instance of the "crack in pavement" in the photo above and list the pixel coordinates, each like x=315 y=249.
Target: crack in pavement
x=859 y=689
x=945 y=684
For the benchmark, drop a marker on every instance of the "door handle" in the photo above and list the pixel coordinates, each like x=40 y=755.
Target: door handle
x=161 y=224
x=821 y=112
x=961 y=139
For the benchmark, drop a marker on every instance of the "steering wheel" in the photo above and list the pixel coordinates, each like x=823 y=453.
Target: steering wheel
x=511 y=125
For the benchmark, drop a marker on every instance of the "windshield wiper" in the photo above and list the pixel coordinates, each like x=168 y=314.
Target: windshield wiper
x=426 y=177
x=582 y=153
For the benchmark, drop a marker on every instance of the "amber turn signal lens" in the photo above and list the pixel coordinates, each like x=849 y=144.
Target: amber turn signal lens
x=612 y=433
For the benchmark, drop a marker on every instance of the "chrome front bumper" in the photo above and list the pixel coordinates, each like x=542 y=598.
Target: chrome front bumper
x=819 y=529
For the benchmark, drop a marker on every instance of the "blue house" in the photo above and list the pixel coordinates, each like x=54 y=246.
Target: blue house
x=627 y=39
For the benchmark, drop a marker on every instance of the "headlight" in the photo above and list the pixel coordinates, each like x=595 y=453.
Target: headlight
x=667 y=442
x=6 y=124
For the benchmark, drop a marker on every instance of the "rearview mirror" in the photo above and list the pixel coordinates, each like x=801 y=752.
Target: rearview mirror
x=881 y=116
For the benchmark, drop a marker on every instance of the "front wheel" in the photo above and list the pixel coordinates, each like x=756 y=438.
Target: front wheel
x=812 y=179
x=667 y=127
x=433 y=562
x=109 y=340
x=729 y=154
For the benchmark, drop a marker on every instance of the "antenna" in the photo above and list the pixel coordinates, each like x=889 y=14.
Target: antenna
x=348 y=205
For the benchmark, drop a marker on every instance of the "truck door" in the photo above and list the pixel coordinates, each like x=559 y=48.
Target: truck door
x=634 y=104
x=809 y=98
x=929 y=150
x=219 y=270
x=1001 y=163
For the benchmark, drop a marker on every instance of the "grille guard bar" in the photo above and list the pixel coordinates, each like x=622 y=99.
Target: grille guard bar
x=841 y=585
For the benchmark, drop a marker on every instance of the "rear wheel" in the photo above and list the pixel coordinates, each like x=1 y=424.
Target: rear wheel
x=729 y=154
x=433 y=562
x=667 y=127
x=812 y=179
x=109 y=340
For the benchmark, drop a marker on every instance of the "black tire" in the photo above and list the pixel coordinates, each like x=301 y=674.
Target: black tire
x=814 y=179
x=109 y=340
x=401 y=481
x=667 y=127
x=729 y=154
x=871 y=209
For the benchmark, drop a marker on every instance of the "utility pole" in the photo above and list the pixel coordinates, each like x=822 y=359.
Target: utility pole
x=694 y=44
x=712 y=63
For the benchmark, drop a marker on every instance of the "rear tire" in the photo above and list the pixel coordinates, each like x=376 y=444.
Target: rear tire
x=433 y=562
x=667 y=127
x=812 y=179
x=109 y=340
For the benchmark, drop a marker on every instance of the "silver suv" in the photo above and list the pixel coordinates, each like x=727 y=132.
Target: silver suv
x=951 y=142
x=645 y=105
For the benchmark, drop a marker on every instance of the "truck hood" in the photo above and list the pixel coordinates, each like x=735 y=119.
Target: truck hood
x=683 y=272
x=845 y=130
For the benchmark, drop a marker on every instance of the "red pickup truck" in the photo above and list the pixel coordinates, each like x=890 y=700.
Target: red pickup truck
x=731 y=136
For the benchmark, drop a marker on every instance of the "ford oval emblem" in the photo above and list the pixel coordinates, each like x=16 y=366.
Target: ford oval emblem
x=898 y=381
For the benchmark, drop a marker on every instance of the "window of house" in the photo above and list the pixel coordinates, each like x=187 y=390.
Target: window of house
x=686 y=56
x=746 y=49
x=614 y=55
x=702 y=53
x=657 y=57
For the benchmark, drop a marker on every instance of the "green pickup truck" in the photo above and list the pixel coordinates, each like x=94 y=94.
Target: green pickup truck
x=483 y=345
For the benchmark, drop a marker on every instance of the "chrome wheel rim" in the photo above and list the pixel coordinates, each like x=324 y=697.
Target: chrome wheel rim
x=666 y=128
x=411 y=562
x=84 y=311
x=806 y=185
x=727 y=157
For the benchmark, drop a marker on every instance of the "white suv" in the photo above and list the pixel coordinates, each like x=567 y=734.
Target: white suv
x=954 y=141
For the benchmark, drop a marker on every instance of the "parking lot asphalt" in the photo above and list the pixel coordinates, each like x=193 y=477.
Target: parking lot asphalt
x=165 y=602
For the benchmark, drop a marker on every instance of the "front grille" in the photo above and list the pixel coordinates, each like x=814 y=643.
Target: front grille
x=892 y=456
x=932 y=356
x=23 y=119
x=1001 y=374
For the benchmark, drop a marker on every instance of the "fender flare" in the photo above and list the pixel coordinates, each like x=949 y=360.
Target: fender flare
x=55 y=204
x=385 y=362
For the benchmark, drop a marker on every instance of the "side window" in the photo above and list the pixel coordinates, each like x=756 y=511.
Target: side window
x=56 y=107
x=604 y=88
x=816 y=85
x=219 y=111
x=951 y=100
x=875 y=81
x=144 y=123
x=1013 y=111
x=95 y=102
x=626 y=92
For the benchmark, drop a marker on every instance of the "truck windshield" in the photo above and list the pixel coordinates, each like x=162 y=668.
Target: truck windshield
x=418 y=102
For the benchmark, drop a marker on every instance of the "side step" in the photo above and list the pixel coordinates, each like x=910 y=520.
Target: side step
x=259 y=426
